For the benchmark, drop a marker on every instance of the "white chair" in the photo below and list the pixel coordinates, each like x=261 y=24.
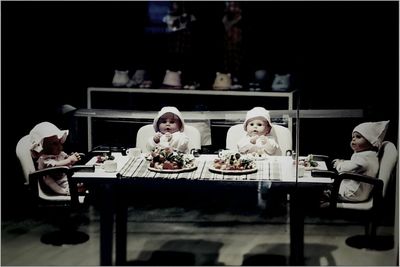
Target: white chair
x=282 y=136
x=373 y=207
x=45 y=198
x=146 y=131
x=33 y=177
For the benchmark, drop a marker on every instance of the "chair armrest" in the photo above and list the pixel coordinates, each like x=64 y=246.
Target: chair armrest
x=360 y=178
x=81 y=168
x=376 y=193
x=320 y=157
x=323 y=173
x=49 y=171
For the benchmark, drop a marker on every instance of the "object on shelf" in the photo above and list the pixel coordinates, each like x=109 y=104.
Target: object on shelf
x=260 y=81
x=281 y=82
x=223 y=81
x=120 y=78
x=146 y=84
x=192 y=86
x=172 y=79
x=236 y=84
x=137 y=78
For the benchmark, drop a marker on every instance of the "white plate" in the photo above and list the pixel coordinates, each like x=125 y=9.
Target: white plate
x=239 y=172
x=173 y=170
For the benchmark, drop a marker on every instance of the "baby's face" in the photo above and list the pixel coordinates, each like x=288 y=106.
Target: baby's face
x=258 y=127
x=169 y=123
x=359 y=143
x=52 y=145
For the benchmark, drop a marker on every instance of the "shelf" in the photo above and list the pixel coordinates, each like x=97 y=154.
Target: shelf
x=220 y=116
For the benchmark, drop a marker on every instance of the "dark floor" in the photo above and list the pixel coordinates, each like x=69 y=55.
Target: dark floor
x=205 y=235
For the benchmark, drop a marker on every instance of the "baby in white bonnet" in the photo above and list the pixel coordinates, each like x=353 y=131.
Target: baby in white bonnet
x=47 y=146
x=258 y=138
x=365 y=142
x=169 y=127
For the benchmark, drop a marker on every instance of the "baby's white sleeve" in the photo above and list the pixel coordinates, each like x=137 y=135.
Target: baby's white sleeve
x=180 y=141
x=355 y=164
x=244 y=145
x=271 y=146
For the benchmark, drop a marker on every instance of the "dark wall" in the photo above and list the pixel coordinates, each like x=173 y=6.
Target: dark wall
x=341 y=54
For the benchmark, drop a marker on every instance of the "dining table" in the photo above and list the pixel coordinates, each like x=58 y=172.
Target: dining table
x=135 y=172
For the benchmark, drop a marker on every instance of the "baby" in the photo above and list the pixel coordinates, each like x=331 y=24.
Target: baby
x=47 y=143
x=258 y=139
x=365 y=142
x=169 y=126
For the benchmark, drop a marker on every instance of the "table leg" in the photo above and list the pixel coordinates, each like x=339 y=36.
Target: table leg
x=121 y=229
x=296 y=229
x=106 y=225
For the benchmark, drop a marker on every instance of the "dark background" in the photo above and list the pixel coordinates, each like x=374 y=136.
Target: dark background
x=342 y=55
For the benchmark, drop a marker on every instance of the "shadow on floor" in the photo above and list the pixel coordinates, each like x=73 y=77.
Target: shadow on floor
x=264 y=260
x=181 y=253
x=379 y=243
x=278 y=255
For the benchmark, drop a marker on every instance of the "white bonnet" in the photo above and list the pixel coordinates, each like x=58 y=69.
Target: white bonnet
x=257 y=112
x=374 y=132
x=172 y=110
x=43 y=130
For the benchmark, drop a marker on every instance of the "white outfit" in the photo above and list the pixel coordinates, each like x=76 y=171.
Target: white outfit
x=366 y=163
x=270 y=147
x=179 y=140
x=58 y=183
x=244 y=145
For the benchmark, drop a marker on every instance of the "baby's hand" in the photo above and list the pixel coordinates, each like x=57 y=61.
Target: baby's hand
x=336 y=162
x=157 y=137
x=263 y=139
x=168 y=136
x=272 y=142
x=253 y=139
x=74 y=157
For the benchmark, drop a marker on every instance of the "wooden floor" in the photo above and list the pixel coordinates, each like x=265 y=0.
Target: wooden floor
x=182 y=236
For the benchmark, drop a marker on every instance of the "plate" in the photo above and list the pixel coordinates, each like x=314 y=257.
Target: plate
x=173 y=170
x=239 y=172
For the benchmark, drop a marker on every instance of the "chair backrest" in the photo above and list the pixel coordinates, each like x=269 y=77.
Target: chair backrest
x=387 y=161
x=27 y=164
x=281 y=134
x=25 y=158
x=147 y=131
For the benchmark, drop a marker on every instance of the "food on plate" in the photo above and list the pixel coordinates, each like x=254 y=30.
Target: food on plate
x=232 y=160
x=168 y=159
x=307 y=162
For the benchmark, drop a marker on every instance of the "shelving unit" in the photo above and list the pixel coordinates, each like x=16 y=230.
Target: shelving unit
x=232 y=115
